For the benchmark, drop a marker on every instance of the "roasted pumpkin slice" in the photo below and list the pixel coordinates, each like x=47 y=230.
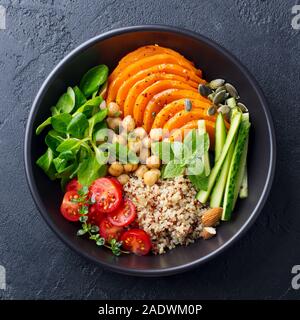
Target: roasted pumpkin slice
x=142 y=64
x=179 y=134
x=183 y=117
x=147 y=94
x=143 y=84
x=163 y=98
x=141 y=53
x=166 y=68
x=176 y=106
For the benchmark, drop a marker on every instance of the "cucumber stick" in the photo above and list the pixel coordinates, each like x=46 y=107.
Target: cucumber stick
x=202 y=195
x=202 y=129
x=220 y=134
x=241 y=171
x=244 y=186
x=231 y=188
x=218 y=190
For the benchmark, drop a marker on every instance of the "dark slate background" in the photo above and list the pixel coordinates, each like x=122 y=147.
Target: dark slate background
x=38 y=35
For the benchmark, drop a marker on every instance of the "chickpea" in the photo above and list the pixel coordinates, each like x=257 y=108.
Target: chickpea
x=144 y=155
x=135 y=146
x=114 y=123
x=150 y=178
x=113 y=110
x=130 y=167
x=128 y=123
x=116 y=169
x=140 y=132
x=119 y=139
x=146 y=142
x=156 y=134
x=141 y=171
x=153 y=162
x=157 y=171
x=123 y=178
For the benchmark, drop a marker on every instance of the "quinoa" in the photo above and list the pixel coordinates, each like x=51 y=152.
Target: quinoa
x=168 y=211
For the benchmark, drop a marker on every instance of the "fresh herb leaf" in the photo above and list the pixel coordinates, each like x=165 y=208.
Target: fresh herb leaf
x=200 y=182
x=43 y=125
x=78 y=125
x=83 y=218
x=70 y=144
x=45 y=160
x=53 y=139
x=173 y=169
x=81 y=232
x=60 y=122
x=96 y=118
x=93 y=79
x=100 y=132
x=80 y=98
x=90 y=107
x=54 y=111
x=66 y=102
x=89 y=170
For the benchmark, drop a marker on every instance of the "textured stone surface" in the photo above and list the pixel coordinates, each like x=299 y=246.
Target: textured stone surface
x=38 y=35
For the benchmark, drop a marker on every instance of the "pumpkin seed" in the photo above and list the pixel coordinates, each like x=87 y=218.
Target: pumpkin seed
x=216 y=83
x=220 y=89
x=204 y=90
x=153 y=114
x=211 y=110
x=224 y=109
x=243 y=108
x=188 y=105
x=231 y=90
x=211 y=96
x=219 y=97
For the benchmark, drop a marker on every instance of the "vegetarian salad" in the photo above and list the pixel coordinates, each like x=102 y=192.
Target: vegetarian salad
x=150 y=156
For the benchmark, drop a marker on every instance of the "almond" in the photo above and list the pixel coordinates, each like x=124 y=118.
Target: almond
x=208 y=232
x=211 y=217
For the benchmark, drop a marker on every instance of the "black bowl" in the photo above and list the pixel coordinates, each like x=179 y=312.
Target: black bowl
x=215 y=62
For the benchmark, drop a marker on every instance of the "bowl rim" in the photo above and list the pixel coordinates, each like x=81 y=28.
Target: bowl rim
x=170 y=270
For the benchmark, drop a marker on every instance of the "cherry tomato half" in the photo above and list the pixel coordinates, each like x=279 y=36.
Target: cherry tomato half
x=109 y=231
x=94 y=216
x=107 y=194
x=73 y=185
x=124 y=215
x=68 y=208
x=136 y=241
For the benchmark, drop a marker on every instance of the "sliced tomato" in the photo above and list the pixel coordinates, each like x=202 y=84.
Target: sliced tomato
x=73 y=185
x=94 y=216
x=116 y=181
x=70 y=209
x=107 y=194
x=136 y=241
x=124 y=215
x=109 y=231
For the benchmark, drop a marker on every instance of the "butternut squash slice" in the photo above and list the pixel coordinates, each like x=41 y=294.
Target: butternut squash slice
x=166 y=68
x=176 y=106
x=142 y=64
x=147 y=94
x=143 y=84
x=183 y=117
x=141 y=53
x=179 y=134
x=163 y=98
